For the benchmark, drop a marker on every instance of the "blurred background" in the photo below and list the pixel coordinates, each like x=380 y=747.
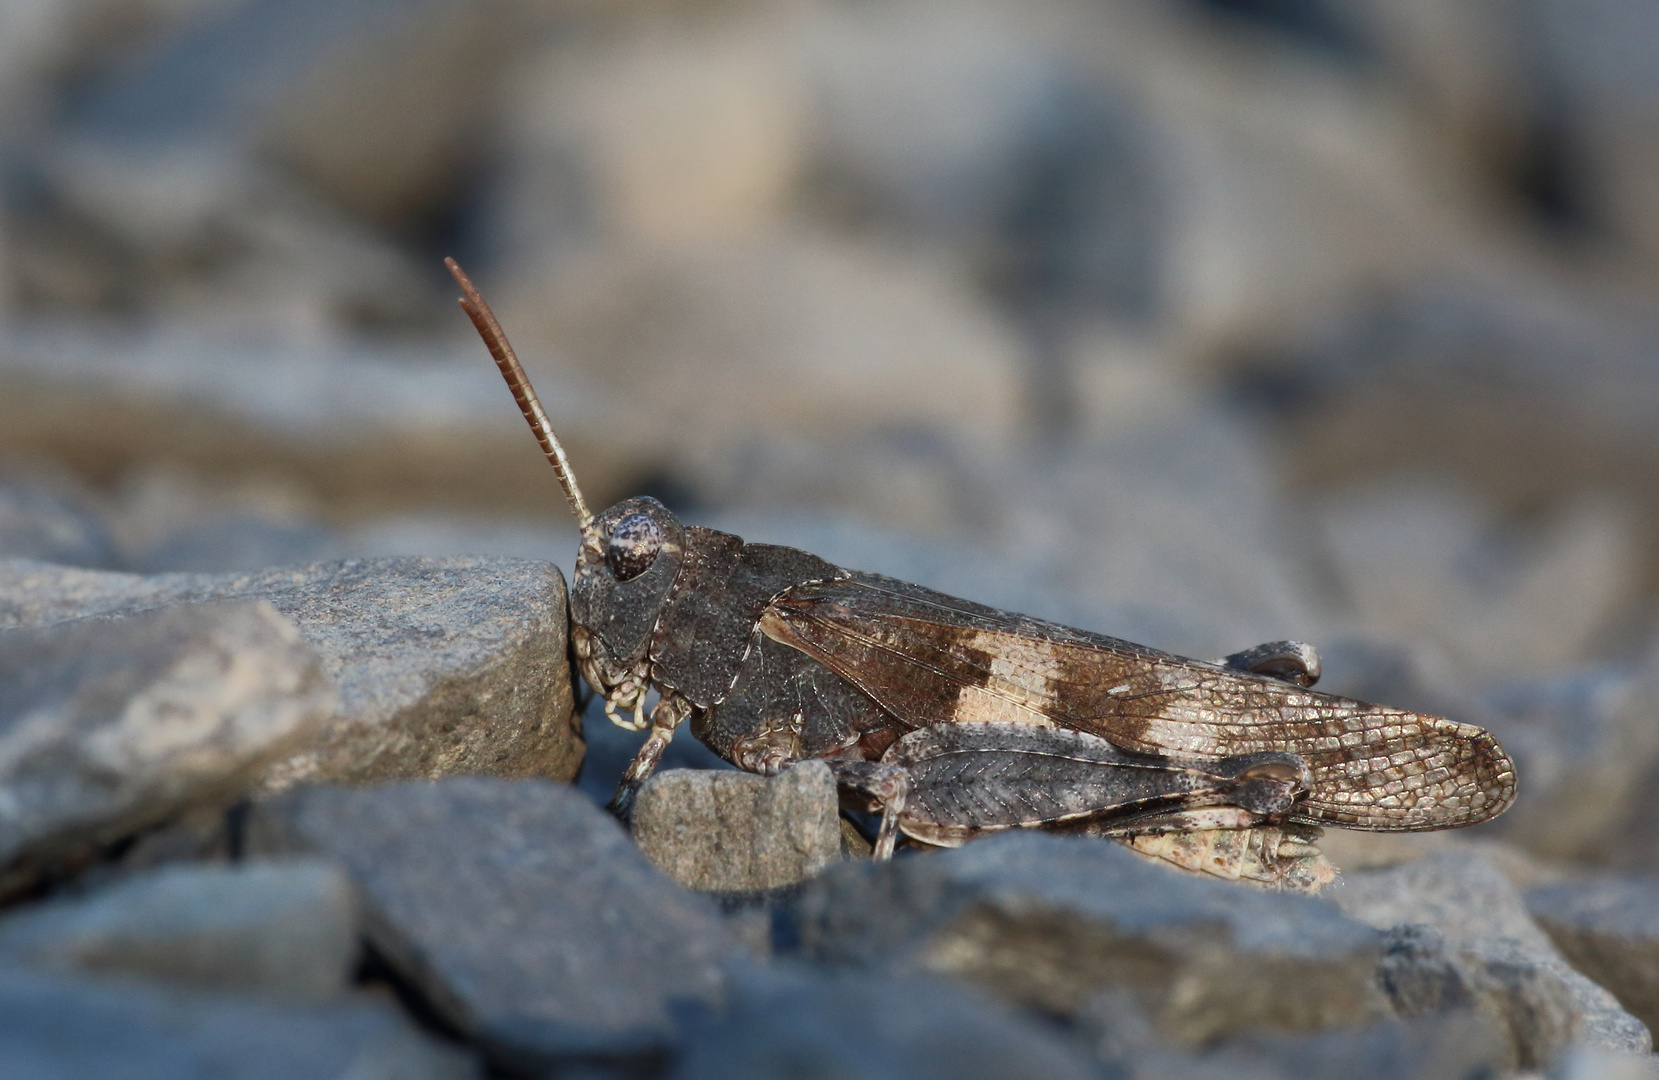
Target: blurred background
x=1197 y=322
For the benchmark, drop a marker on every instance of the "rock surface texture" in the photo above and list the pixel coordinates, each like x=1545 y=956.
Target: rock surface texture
x=783 y=1023
x=110 y=725
x=1048 y=922
x=1609 y=929
x=1198 y=323
x=53 y=1027
x=443 y=665
x=1460 y=934
x=520 y=911
x=720 y=831
x=283 y=929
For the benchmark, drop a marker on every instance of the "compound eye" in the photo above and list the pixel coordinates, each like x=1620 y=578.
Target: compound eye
x=633 y=546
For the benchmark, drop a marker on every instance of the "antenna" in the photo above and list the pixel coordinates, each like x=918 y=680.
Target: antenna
x=528 y=403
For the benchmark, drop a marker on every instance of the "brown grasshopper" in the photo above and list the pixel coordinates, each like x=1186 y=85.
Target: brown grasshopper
x=954 y=719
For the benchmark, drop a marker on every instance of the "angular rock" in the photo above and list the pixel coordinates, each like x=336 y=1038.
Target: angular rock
x=1609 y=929
x=256 y=137
x=727 y=831
x=522 y=912
x=1594 y=59
x=278 y=928
x=1005 y=144
x=110 y=725
x=691 y=135
x=326 y=88
x=851 y=1027
x=1455 y=1045
x=1528 y=389
x=1589 y=730
x=1050 y=921
x=54 y=1027
x=1481 y=949
x=443 y=665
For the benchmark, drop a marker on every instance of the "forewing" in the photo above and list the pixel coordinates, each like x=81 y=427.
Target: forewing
x=931 y=659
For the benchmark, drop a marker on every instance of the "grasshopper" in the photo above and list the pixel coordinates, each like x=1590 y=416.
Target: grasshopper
x=955 y=719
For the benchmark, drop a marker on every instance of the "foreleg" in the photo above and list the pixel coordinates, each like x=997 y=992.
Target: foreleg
x=668 y=714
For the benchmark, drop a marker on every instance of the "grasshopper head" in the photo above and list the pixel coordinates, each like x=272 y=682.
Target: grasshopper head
x=623 y=573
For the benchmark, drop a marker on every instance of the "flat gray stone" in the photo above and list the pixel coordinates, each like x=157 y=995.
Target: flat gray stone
x=726 y=831
x=452 y=665
x=1484 y=951
x=57 y=1027
x=111 y=725
x=1590 y=729
x=1050 y=921
x=779 y=1023
x=521 y=911
x=1609 y=929
x=1459 y=1044
x=281 y=928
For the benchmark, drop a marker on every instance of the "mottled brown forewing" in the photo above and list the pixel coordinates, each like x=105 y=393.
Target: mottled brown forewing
x=929 y=658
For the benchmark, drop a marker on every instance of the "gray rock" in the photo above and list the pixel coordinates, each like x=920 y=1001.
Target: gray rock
x=51 y=522
x=264 y=73
x=1049 y=921
x=443 y=665
x=1488 y=953
x=783 y=1022
x=1450 y=1047
x=1589 y=730
x=522 y=912
x=258 y=136
x=1594 y=58
x=280 y=928
x=365 y=428
x=53 y=1027
x=1529 y=390
x=726 y=831
x=110 y=725
x=1609 y=929
x=1589 y=1063
x=1004 y=141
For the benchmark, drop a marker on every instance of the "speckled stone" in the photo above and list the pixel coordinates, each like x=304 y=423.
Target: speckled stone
x=111 y=725
x=727 y=831
x=451 y=665
x=278 y=928
x=1049 y=922
x=521 y=911
x=1460 y=934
